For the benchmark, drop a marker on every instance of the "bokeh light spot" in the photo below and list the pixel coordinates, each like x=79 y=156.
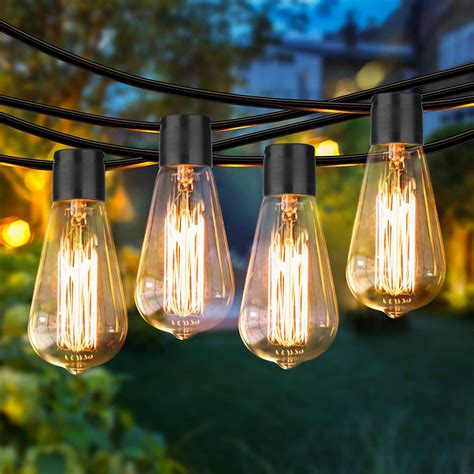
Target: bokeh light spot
x=35 y=180
x=370 y=75
x=16 y=233
x=328 y=148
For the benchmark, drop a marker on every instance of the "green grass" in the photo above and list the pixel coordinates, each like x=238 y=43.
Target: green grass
x=382 y=403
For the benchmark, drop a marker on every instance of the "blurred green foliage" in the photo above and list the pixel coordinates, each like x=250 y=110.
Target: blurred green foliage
x=452 y=181
x=190 y=42
x=453 y=185
x=52 y=422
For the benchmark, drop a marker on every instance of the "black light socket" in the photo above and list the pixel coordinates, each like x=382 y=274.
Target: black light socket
x=289 y=169
x=78 y=174
x=397 y=117
x=186 y=140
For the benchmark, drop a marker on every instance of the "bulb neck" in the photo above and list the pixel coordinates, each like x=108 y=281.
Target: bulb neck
x=185 y=140
x=397 y=118
x=289 y=169
x=78 y=174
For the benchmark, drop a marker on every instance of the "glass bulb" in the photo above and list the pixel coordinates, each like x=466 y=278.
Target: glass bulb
x=78 y=316
x=396 y=259
x=289 y=310
x=185 y=282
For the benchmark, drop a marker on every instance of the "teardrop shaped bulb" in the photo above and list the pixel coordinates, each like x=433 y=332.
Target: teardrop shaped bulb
x=78 y=316
x=185 y=282
x=396 y=260
x=289 y=311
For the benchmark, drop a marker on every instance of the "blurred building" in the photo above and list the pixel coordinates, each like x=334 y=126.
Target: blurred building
x=338 y=64
x=419 y=37
x=441 y=35
x=285 y=71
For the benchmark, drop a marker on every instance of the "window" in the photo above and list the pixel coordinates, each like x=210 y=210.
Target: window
x=457 y=47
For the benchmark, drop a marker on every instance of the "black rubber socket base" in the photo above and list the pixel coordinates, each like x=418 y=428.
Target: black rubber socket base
x=397 y=118
x=78 y=174
x=186 y=140
x=289 y=169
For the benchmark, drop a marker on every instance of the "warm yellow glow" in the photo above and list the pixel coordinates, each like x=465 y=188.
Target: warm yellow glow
x=35 y=181
x=288 y=311
x=16 y=233
x=344 y=87
x=77 y=323
x=119 y=206
x=463 y=106
x=184 y=250
x=395 y=258
x=370 y=75
x=327 y=148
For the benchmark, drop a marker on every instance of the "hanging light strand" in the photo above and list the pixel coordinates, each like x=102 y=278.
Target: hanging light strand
x=433 y=100
x=237 y=160
x=185 y=91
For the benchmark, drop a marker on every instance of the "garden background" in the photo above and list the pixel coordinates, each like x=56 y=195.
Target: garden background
x=389 y=397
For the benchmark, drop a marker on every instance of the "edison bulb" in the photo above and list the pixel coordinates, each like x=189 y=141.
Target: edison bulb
x=289 y=312
x=78 y=316
x=396 y=260
x=185 y=282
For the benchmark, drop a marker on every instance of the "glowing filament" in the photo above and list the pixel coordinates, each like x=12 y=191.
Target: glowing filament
x=395 y=257
x=77 y=326
x=288 y=281
x=184 y=251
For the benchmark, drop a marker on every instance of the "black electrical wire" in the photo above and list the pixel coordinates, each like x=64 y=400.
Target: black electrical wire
x=245 y=161
x=443 y=104
x=139 y=155
x=77 y=116
x=120 y=150
x=135 y=125
x=315 y=123
x=223 y=125
x=225 y=97
x=159 y=86
x=280 y=131
x=367 y=94
x=72 y=140
x=448 y=91
x=147 y=126
x=342 y=160
x=332 y=119
x=319 y=122
x=264 y=118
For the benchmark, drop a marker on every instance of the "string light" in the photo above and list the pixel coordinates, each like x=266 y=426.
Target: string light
x=185 y=282
x=78 y=316
x=396 y=260
x=289 y=311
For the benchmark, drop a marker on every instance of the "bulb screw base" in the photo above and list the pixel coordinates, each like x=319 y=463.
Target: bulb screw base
x=186 y=140
x=397 y=118
x=289 y=169
x=79 y=174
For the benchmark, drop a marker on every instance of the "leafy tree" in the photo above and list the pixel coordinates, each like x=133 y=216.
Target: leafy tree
x=187 y=42
x=195 y=43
